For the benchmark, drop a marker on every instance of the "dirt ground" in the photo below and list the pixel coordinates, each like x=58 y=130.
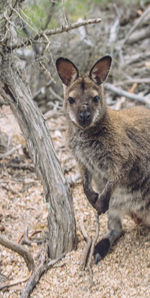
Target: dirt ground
x=125 y=272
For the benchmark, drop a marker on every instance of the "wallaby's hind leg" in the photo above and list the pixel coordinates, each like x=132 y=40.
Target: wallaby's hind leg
x=114 y=232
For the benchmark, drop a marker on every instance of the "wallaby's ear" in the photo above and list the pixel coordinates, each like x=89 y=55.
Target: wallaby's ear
x=100 y=70
x=67 y=71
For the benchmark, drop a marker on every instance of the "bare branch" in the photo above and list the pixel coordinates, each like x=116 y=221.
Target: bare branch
x=139 y=35
x=11 y=151
x=62 y=29
x=42 y=266
x=129 y=95
x=50 y=14
x=135 y=25
x=38 y=271
x=19 y=249
x=9 y=284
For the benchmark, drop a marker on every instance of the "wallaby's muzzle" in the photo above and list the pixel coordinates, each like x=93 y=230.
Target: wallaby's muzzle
x=84 y=118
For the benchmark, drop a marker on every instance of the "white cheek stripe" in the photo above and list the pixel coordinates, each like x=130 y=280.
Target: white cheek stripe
x=95 y=116
x=72 y=117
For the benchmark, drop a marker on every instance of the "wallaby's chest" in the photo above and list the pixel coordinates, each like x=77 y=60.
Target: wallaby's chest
x=91 y=153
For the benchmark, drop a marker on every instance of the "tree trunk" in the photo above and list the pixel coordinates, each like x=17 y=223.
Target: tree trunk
x=61 y=221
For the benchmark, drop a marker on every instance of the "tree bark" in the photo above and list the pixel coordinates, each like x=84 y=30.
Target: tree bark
x=61 y=220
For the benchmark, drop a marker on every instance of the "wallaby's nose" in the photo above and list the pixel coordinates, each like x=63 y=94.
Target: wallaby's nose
x=84 y=118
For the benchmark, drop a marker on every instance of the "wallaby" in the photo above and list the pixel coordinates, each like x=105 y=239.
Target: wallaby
x=111 y=147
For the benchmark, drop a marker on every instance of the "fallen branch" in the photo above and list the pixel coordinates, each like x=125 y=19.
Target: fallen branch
x=129 y=95
x=52 y=114
x=86 y=258
x=19 y=249
x=10 y=152
x=9 y=284
x=21 y=165
x=42 y=266
x=46 y=33
x=137 y=80
x=25 y=239
x=135 y=26
x=137 y=58
x=140 y=35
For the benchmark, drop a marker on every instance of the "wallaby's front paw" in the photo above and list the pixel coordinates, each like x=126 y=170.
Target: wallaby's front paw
x=101 y=250
x=93 y=198
x=101 y=205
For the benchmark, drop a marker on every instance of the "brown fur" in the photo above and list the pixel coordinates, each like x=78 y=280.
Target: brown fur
x=112 y=148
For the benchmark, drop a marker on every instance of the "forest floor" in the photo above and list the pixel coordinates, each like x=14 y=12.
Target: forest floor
x=125 y=272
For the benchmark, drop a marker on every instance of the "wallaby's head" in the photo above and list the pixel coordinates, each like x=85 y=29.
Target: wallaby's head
x=83 y=95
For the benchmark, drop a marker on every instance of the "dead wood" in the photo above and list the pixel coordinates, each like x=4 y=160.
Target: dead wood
x=23 y=166
x=19 y=249
x=43 y=265
x=9 y=284
x=137 y=58
x=140 y=35
x=61 y=221
x=49 y=15
x=10 y=152
x=135 y=26
x=29 y=240
x=131 y=80
x=45 y=34
x=88 y=251
x=129 y=95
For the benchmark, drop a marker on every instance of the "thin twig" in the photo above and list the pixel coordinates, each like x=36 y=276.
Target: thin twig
x=49 y=15
x=42 y=266
x=14 y=283
x=36 y=274
x=19 y=249
x=10 y=152
x=62 y=29
x=26 y=240
x=52 y=114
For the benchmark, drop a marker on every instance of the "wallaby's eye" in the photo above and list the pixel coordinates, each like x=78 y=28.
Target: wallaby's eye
x=96 y=99
x=71 y=100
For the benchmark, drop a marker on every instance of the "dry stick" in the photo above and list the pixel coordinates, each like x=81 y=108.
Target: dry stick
x=19 y=249
x=140 y=35
x=13 y=283
x=11 y=151
x=87 y=247
x=130 y=80
x=39 y=270
x=66 y=28
x=56 y=95
x=49 y=15
x=135 y=25
x=26 y=240
x=92 y=249
x=52 y=114
x=127 y=94
x=36 y=274
x=137 y=57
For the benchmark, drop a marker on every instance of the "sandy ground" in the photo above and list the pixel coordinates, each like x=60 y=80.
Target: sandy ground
x=125 y=272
